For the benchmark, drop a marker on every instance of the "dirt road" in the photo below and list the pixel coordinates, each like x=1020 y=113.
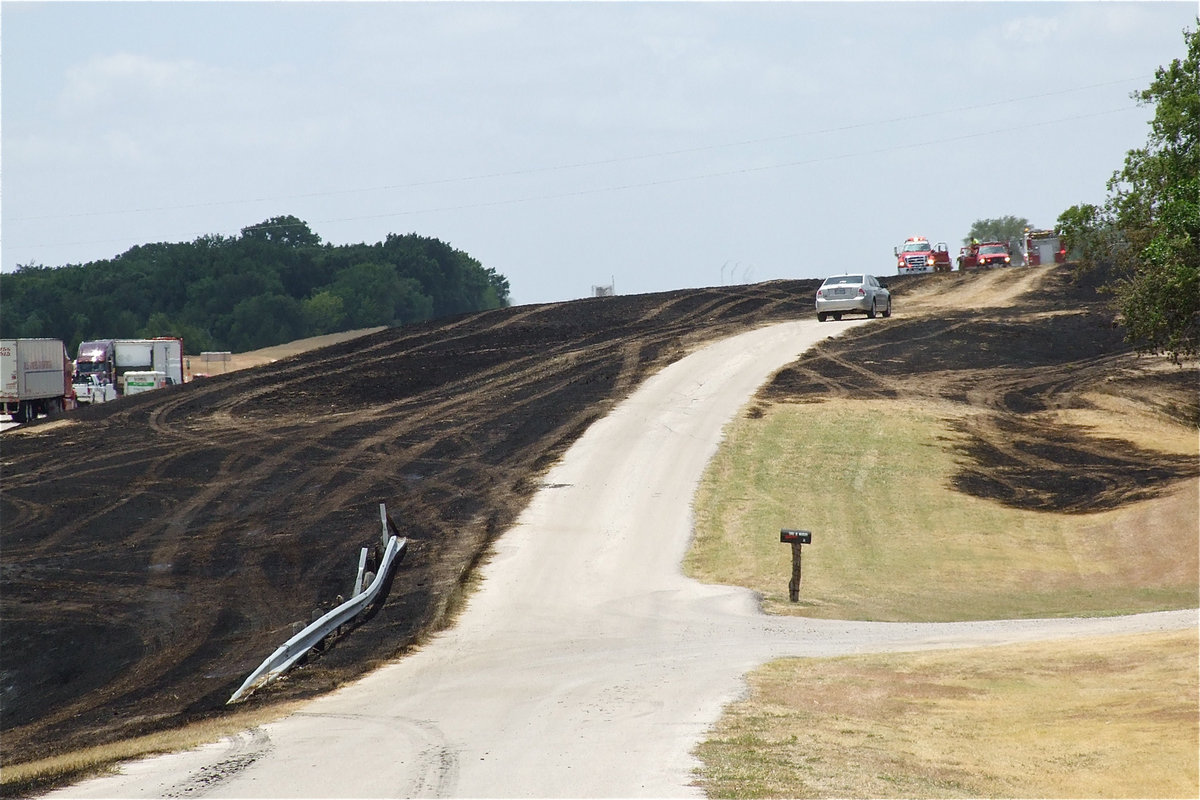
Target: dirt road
x=586 y=665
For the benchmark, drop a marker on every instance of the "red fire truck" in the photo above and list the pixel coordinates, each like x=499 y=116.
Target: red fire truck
x=984 y=255
x=917 y=255
x=1044 y=247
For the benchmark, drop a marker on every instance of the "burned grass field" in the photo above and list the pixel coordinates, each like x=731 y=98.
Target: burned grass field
x=157 y=549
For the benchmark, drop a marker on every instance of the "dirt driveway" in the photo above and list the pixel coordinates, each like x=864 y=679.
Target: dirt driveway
x=156 y=550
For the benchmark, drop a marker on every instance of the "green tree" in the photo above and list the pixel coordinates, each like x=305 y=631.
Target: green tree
x=324 y=312
x=287 y=230
x=1082 y=229
x=274 y=281
x=369 y=292
x=264 y=320
x=1007 y=229
x=1154 y=202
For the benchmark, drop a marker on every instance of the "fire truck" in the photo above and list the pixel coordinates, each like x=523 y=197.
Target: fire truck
x=1044 y=247
x=984 y=255
x=917 y=255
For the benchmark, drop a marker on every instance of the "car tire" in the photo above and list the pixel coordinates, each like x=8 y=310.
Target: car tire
x=887 y=312
x=837 y=315
x=871 y=311
x=821 y=316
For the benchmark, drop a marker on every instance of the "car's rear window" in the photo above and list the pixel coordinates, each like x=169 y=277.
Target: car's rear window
x=836 y=279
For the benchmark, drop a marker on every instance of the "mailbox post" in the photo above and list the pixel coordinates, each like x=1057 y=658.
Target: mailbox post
x=797 y=539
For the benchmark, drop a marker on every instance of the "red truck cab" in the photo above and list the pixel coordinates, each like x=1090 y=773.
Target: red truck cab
x=984 y=255
x=917 y=255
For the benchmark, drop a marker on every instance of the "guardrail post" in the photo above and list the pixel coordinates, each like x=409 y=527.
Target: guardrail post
x=358 y=579
x=389 y=527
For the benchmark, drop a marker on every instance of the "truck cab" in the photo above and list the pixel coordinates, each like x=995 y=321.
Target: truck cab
x=917 y=255
x=985 y=255
x=95 y=378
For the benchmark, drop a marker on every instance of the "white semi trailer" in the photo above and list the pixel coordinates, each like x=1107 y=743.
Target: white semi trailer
x=35 y=378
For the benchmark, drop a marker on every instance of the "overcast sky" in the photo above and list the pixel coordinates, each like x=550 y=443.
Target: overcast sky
x=653 y=146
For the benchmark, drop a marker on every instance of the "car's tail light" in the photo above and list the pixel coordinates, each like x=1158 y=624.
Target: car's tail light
x=862 y=291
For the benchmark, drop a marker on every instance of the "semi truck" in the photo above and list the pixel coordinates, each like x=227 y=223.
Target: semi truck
x=101 y=366
x=35 y=378
x=917 y=255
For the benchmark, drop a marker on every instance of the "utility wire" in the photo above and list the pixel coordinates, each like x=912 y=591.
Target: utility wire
x=669 y=181
x=595 y=163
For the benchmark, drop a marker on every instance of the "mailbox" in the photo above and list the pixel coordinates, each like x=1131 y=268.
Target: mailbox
x=797 y=537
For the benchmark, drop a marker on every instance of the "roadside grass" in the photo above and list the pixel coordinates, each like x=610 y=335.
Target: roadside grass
x=30 y=777
x=1103 y=717
x=891 y=541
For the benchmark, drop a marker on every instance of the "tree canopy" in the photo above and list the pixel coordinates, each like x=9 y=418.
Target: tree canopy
x=1146 y=238
x=274 y=283
x=1007 y=229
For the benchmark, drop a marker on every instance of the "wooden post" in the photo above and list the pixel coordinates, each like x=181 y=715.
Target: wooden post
x=794 y=584
x=797 y=539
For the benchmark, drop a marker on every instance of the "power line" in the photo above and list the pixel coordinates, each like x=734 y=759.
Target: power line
x=676 y=180
x=593 y=163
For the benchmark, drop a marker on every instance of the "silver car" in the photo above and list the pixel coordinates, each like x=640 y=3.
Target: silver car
x=857 y=293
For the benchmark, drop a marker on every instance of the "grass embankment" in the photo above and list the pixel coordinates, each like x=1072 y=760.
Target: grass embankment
x=1113 y=717
x=892 y=542
x=1101 y=717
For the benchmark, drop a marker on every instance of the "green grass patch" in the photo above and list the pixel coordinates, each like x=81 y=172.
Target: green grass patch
x=893 y=541
x=1104 y=717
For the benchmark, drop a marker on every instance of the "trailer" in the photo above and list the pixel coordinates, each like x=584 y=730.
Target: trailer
x=145 y=381
x=35 y=378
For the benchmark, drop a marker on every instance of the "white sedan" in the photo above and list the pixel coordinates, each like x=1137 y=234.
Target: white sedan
x=857 y=293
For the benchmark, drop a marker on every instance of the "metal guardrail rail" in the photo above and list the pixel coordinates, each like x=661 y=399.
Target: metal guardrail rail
x=295 y=648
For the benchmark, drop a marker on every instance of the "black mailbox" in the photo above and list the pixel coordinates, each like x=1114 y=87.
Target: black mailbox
x=800 y=537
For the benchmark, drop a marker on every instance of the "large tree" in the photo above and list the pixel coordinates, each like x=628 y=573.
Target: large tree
x=1008 y=229
x=274 y=282
x=1148 y=232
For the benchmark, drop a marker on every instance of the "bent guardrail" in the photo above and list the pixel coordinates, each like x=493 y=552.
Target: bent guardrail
x=295 y=648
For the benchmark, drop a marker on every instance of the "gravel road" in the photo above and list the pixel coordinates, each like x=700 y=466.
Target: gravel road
x=586 y=665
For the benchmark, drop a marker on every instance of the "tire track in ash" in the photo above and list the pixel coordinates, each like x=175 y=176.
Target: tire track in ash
x=1006 y=372
x=227 y=555
x=510 y=379
x=454 y=406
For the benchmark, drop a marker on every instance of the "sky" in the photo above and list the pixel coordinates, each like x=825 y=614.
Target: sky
x=569 y=145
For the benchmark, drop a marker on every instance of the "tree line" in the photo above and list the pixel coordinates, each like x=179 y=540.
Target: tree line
x=1142 y=246
x=1143 y=243
x=273 y=283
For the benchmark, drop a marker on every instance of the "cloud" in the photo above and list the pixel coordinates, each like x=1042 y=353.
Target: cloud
x=112 y=83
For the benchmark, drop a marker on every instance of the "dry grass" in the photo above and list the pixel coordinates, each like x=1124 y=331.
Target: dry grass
x=43 y=774
x=891 y=542
x=1107 y=717
x=266 y=355
x=1113 y=717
